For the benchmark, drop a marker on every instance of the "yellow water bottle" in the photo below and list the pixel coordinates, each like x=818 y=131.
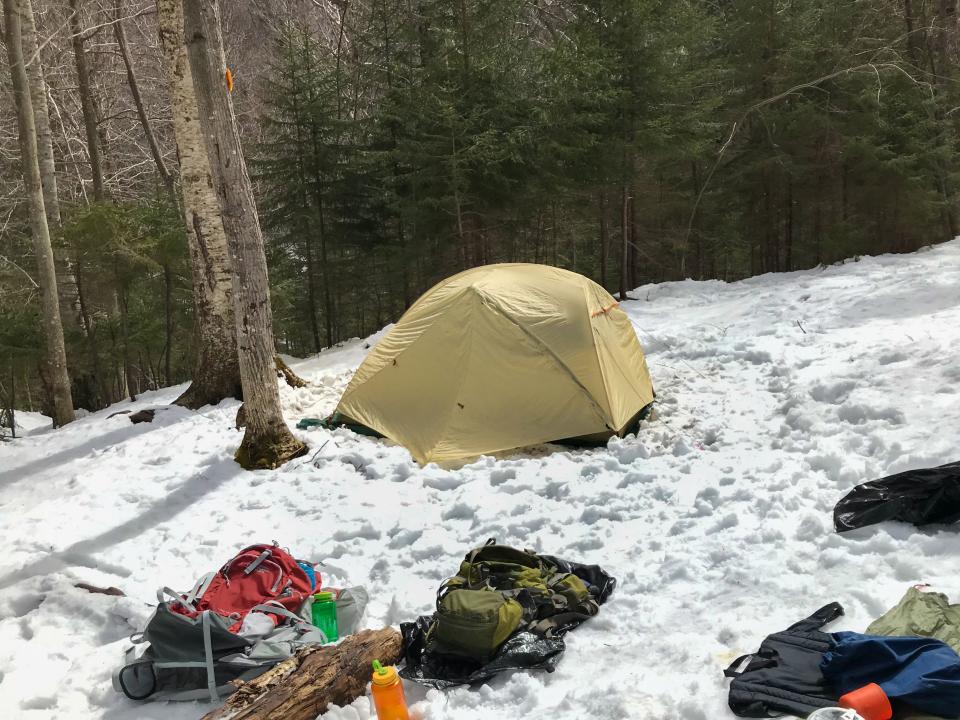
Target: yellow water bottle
x=388 y=695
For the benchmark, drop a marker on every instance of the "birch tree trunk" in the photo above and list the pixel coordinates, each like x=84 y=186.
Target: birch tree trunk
x=216 y=374
x=48 y=171
x=41 y=113
x=267 y=441
x=86 y=101
x=56 y=356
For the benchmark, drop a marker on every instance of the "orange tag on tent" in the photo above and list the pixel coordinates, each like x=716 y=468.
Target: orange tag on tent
x=229 y=76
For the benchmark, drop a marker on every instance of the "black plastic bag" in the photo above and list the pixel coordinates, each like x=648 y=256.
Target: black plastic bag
x=524 y=650
x=921 y=497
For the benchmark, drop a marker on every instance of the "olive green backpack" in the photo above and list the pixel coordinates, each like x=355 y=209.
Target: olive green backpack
x=498 y=591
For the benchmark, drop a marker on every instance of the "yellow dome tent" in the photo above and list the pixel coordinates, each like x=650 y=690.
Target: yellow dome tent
x=500 y=357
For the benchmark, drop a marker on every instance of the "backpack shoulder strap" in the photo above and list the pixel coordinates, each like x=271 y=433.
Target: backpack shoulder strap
x=188 y=601
x=549 y=626
x=208 y=657
x=826 y=614
x=472 y=555
x=296 y=620
x=200 y=588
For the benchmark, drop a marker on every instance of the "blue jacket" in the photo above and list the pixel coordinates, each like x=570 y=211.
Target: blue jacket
x=921 y=672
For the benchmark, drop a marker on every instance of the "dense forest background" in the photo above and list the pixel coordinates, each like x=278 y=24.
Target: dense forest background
x=395 y=142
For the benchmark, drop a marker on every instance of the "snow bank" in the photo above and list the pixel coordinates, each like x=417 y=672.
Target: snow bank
x=776 y=396
x=31 y=423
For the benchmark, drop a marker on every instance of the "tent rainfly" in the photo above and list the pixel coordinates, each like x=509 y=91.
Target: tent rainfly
x=501 y=357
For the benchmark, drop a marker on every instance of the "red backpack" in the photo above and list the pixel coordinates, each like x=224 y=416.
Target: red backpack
x=258 y=575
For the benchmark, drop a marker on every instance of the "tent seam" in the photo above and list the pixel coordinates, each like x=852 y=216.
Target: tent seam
x=562 y=365
x=393 y=360
x=596 y=354
x=463 y=378
x=631 y=380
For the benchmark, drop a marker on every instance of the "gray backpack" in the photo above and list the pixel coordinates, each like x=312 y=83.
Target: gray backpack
x=182 y=658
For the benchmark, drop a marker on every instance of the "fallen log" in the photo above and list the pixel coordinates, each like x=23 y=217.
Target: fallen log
x=284 y=371
x=304 y=686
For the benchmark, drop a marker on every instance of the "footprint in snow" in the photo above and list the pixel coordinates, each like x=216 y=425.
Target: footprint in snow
x=433 y=552
x=401 y=472
x=498 y=477
x=860 y=414
x=403 y=538
x=891 y=357
x=458 y=511
x=443 y=482
x=39 y=703
x=364 y=532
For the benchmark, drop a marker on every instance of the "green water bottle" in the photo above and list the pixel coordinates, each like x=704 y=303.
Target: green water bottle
x=325 y=615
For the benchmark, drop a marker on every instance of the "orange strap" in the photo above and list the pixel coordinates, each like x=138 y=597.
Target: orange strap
x=607 y=309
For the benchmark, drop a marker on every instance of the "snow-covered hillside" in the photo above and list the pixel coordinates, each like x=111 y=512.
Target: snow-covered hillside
x=776 y=396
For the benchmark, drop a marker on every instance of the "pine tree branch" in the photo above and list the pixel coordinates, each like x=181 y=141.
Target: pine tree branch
x=738 y=123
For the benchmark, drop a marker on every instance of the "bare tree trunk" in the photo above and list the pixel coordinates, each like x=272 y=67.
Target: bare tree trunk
x=216 y=374
x=633 y=255
x=325 y=271
x=308 y=234
x=909 y=19
x=86 y=101
x=48 y=170
x=26 y=385
x=267 y=441
x=120 y=348
x=168 y=322
x=328 y=311
x=695 y=179
x=12 y=407
x=625 y=240
x=121 y=35
x=458 y=208
x=946 y=27
x=38 y=95
x=573 y=251
x=604 y=239
x=788 y=230
x=101 y=398
x=56 y=356
x=553 y=233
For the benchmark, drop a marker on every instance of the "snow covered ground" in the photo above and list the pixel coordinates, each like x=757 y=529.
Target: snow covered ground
x=29 y=423
x=776 y=396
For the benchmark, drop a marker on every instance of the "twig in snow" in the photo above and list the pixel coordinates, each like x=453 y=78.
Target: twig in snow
x=801 y=327
x=678 y=372
x=314 y=456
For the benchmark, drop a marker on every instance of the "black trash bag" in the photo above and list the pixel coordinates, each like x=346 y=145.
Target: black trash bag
x=920 y=497
x=524 y=650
